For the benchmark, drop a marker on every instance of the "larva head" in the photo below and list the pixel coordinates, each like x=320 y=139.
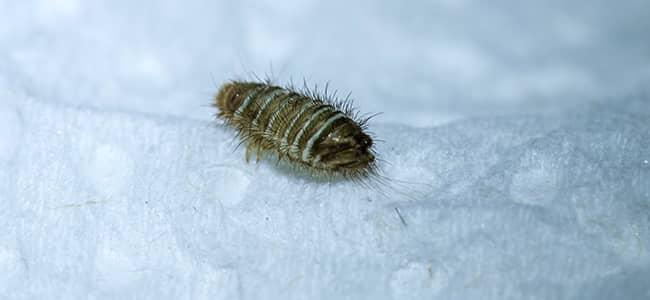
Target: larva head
x=347 y=149
x=230 y=96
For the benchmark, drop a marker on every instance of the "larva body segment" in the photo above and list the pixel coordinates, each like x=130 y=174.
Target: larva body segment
x=316 y=134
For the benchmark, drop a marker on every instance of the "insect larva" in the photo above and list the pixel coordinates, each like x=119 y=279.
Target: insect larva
x=311 y=131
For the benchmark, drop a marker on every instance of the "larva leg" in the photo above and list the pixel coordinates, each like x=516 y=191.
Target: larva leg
x=252 y=148
x=258 y=154
x=249 y=150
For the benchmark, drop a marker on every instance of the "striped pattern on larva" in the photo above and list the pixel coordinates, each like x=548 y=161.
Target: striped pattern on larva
x=312 y=132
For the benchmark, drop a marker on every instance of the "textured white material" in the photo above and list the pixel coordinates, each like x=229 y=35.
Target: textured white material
x=115 y=204
x=117 y=183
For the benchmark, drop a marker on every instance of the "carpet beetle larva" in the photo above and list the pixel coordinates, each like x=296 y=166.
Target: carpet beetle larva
x=311 y=131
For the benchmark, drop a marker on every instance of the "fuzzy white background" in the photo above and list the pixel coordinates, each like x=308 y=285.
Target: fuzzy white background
x=517 y=135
